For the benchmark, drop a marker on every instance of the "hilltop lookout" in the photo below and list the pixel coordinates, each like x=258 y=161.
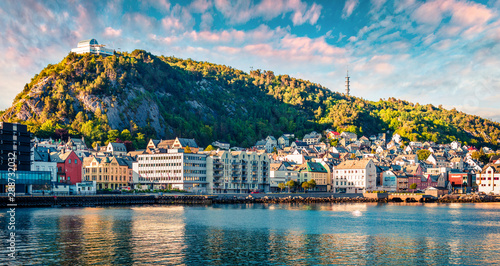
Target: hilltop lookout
x=93 y=47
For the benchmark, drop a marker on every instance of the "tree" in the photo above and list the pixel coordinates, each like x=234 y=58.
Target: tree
x=305 y=186
x=281 y=186
x=353 y=156
x=290 y=184
x=187 y=150
x=275 y=150
x=312 y=184
x=209 y=148
x=126 y=135
x=413 y=186
x=113 y=135
x=423 y=154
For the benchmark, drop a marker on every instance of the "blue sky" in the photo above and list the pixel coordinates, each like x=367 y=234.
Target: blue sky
x=444 y=52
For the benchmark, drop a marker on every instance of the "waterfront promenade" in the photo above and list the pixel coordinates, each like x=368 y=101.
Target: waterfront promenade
x=190 y=199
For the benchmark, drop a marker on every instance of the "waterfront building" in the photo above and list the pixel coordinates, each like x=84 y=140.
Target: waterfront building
x=281 y=172
x=92 y=47
x=40 y=161
x=173 y=169
x=26 y=181
x=488 y=180
x=69 y=167
x=237 y=171
x=16 y=140
x=109 y=172
x=319 y=173
x=355 y=176
x=388 y=180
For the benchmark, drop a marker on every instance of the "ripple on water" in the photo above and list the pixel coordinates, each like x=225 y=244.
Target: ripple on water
x=254 y=234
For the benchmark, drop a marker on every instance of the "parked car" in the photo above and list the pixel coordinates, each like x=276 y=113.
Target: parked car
x=255 y=192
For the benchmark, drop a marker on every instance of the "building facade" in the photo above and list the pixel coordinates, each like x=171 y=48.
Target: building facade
x=488 y=180
x=173 y=169
x=238 y=172
x=355 y=176
x=92 y=47
x=108 y=172
x=15 y=143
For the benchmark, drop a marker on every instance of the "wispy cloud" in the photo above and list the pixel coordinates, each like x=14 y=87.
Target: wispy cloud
x=349 y=7
x=243 y=11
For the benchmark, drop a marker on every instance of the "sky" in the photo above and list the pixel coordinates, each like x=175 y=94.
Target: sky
x=443 y=52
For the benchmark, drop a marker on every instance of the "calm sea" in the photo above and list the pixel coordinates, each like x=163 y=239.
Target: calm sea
x=305 y=234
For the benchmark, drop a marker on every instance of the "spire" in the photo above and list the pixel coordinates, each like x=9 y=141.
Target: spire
x=347 y=88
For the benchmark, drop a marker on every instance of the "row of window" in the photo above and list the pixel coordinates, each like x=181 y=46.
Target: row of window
x=195 y=158
x=195 y=164
x=163 y=178
x=158 y=158
x=195 y=178
x=195 y=172
x=158 y=171
x=106 y=178
x=159 y=164
x=349 y=171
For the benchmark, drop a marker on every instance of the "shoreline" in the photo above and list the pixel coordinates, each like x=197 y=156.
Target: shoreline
x=131 y=200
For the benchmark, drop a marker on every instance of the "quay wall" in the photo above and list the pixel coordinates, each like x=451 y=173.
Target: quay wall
x=127 y=200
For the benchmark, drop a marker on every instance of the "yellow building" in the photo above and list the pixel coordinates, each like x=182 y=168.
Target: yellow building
x=108 y=172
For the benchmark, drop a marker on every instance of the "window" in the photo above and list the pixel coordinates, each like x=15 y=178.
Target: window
x=70 y=161
x=76 y=161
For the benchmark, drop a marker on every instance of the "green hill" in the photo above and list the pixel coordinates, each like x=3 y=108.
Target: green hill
x=135 y=96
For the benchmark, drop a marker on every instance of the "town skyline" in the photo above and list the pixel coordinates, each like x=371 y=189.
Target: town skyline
x=438 y=52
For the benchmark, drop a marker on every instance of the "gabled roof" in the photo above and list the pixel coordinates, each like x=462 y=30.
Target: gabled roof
x=118 y=146
x=261 y=142
x=165 y=144
x=188 y=142
x=354 y=164
x=495 y=167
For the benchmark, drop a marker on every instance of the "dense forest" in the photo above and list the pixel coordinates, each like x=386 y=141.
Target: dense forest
x=136 y=96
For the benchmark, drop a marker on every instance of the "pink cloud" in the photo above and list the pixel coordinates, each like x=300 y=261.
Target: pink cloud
x=242 y=11
x=349 y=7
x=201 y=6
x=110 y=32
x=463 y=14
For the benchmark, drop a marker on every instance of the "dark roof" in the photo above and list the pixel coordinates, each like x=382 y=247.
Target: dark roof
x=188 y=142
x=316 y=167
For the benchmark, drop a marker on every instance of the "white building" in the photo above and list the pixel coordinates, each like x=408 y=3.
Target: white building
x=354 y=176
x=116 y=149
x=93 y=47
x=174 y=169
x=489 y=179
x=40 y=161
x=237 y=172
x=312 y=138
x=271 y=143
x=281 y=173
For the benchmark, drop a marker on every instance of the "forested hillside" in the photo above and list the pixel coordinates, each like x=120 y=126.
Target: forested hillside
x=136 y=96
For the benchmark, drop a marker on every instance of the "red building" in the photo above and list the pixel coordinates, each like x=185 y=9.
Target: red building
x=69 y=168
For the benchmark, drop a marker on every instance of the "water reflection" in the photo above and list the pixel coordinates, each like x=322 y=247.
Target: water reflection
x=294 y=234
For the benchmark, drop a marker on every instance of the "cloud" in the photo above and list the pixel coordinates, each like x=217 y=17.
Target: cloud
x=349 y=7
x=110 y=32
x=239 y=12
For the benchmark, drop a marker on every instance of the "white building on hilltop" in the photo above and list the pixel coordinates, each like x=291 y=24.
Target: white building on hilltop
x=93 y=47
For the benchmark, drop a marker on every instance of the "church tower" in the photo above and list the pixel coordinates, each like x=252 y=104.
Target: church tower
x=347 y=88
